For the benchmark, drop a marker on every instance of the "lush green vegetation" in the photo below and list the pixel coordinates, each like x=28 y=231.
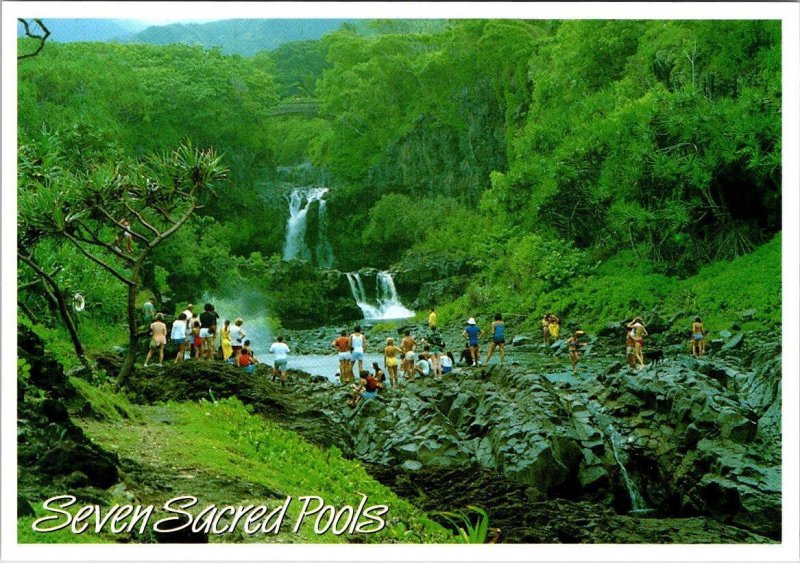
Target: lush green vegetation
x=231 y=443
x=546 y=156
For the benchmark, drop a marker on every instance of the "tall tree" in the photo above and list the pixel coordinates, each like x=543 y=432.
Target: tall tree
x=115 y=216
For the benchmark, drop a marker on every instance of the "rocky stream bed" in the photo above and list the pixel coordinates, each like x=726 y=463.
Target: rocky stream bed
x=684 y=451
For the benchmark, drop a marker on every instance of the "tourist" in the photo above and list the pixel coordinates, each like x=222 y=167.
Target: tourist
x=227 y=349
x=698 y=337
x=422 y=367
x=473 y=334
x=465 y=358
x=197 y=340
x=188 y=314
x=126 y=234
x=358 y=343
x=237 y=337
x=178 y=334
x=342 y=345
x=630 y=349
x=390 y=360
x=573 y=344
x=208 y=323
x=432 y=321
x=379 y=375
x=366 y=388
x=446 y=361
x=148 y=311
x=246 y=361
x=281 y=352
x=546 y=329
x=436 y=363
x=159 y=339
x=498 y=338
x=553 y=326
x=638 y=332
x=408 y=345
x=246 y=346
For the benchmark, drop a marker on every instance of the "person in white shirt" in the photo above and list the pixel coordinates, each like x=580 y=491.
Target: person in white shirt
x=179 y=335
x=281 y=351
x=237 y=337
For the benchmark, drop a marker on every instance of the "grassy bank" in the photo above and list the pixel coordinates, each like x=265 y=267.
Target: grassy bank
x=221 y=453
x=745 y=292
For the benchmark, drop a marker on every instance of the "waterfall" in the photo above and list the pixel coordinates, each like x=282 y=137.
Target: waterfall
x=295 y=245
x=389 y=305
x=323 y=250
x=637 y=502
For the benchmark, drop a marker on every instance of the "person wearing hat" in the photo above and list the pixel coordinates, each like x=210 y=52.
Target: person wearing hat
x=473 y=334
x=573 y=343
x=638 y=332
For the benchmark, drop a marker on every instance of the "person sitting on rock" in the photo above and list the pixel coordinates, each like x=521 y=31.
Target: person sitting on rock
x=447 y=362
x=366 y=388
x=246 y=361
x=422 y=367
x=698 y=337
x=466 y=356
x=379 y=375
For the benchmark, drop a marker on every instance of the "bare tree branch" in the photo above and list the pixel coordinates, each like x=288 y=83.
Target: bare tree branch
x=95 y=240
x=28 y=33
x=108 y=215
x=141 y=219
x=97 y=261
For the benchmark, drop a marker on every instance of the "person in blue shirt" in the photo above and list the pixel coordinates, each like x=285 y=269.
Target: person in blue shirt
x=473 y=334
x=498 y=338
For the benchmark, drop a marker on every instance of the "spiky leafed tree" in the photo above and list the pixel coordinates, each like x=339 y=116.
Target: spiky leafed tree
x=114 y=216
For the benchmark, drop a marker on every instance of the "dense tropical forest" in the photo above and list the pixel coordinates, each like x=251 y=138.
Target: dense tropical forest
x=596 y=169
x=530 y=153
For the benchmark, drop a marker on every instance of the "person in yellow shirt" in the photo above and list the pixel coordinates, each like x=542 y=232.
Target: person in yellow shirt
x=227 y=347
x=432 y=320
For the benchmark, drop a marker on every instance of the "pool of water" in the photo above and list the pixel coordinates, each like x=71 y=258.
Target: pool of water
x=321 y=364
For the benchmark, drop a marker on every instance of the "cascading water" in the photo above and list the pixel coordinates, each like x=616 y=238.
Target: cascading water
x=389 y=305
x=295 y=245
x=638 y=505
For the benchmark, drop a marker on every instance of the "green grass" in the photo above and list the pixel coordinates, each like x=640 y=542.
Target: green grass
x=223 y=439
x=624 y=286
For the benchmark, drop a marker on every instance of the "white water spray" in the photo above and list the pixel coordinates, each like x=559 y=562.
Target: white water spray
x=300 y=201
x=388 y=302
x=637 y=502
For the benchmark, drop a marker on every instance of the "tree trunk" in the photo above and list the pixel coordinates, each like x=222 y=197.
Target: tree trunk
x=54 y=293
x=133 y=337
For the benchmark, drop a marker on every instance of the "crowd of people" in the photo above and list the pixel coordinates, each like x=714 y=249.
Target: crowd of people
x=199 y=336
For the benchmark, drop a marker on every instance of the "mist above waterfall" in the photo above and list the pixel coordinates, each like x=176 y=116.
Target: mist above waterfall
x=249 y=305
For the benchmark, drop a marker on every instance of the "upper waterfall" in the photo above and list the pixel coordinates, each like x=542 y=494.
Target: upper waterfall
x=300 y=201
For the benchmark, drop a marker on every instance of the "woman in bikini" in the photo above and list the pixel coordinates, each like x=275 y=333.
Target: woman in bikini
x=638 y=332
x=573 y=344
x=391 y=355
x=698 y=337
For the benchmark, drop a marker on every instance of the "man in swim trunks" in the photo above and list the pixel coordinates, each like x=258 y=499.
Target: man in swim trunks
x=281 y=352
x=358 y=344
x=408 y=345
x=342 y=345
